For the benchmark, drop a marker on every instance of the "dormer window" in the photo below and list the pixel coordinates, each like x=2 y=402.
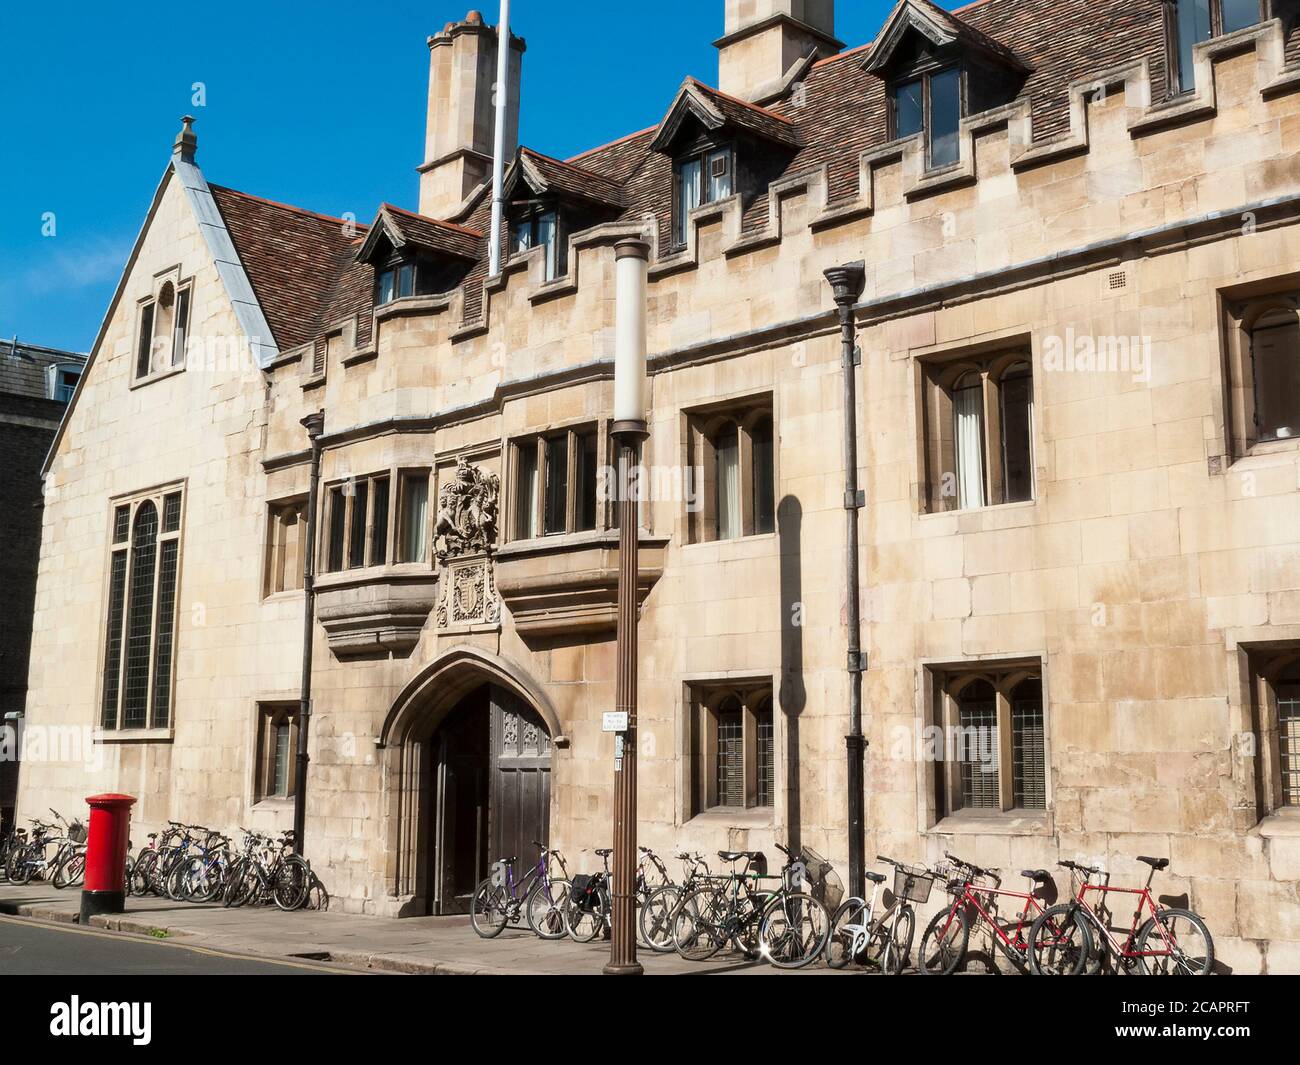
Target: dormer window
x=930 y=104
x=396 y=281
x=702 y=177
x=540 y=227
x=1192 y=21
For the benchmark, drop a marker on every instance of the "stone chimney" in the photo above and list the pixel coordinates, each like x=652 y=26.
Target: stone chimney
x=462 y=112
x=765 y=38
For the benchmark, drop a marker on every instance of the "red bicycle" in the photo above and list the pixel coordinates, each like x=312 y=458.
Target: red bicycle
x=1171 y=942
x=947 y=938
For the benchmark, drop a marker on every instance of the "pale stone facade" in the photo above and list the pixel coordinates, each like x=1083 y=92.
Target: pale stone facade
x=1148 y=565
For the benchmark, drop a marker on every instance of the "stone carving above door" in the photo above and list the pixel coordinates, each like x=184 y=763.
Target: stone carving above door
x=465 y=539
x=467 y=513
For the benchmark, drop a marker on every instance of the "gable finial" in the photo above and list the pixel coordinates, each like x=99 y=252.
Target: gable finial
x=186 y=142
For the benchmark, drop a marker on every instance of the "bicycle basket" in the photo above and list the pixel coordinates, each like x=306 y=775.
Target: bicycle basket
x=77 y=832
x=821 y=880
x=913 y=882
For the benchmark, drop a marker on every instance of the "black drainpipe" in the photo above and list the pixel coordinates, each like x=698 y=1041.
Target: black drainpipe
x=315 y=425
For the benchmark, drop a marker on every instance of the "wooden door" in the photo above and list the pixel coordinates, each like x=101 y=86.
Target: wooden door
x=520 y=785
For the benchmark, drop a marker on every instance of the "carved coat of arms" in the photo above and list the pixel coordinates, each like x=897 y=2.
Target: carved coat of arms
x=465 y=536
x=467 y=513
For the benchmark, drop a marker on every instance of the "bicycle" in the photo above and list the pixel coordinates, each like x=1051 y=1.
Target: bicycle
x=947 y=937
x=1182 y=946
x=589 y=908
x=886 y=941
x=655 y=922
x=539 y=898
x=199 y=876
x=270 y=871
x=787 y=927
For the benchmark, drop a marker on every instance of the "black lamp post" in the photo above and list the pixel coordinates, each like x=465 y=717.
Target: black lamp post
x=847 y=283
x=632 y=259
x=315 y=426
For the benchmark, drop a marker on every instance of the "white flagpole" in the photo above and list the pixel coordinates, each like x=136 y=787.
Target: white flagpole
x=498 y=157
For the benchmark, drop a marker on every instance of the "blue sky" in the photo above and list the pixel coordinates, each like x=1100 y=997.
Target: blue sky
x=319 y=105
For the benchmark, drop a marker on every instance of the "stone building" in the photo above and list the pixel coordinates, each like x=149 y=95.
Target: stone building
x=1079 y=440
x=36 y=384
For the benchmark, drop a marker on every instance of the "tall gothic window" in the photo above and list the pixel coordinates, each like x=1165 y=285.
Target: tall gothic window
x=733 y=471
x=140 y=625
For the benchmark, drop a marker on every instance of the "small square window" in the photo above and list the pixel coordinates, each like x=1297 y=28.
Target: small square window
x=732 y=757
x=277 y=751
x=993 y=752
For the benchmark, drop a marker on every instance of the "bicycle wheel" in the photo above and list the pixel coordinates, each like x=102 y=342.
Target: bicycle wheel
x=840 y=940
x=793 y=931
x=1176 y=943
x=240 y=885
x=898 y=942
x=943 y=947
x=585 y=920
x=1060 y=942
x=71 y=870
x=656 y=918
x=292 y=882
x=697 y=928
x=27 y=864
x=142 y=873
x=487 y=910
x=545 y=908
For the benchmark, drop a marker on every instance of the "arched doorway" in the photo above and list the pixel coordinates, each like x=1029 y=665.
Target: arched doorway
x=489 y=775
x=467 y=750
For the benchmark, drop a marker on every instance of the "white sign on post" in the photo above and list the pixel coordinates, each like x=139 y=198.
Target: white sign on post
x=614 y=721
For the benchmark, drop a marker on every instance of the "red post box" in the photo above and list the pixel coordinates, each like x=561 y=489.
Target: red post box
x=110 y=827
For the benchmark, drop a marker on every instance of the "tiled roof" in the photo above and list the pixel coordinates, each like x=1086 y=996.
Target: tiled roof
x=717 y=110
x=941 y=27
x=23 y=367
x=305 y=273
x=294 y=259
x=432 y=234
x=546 y=175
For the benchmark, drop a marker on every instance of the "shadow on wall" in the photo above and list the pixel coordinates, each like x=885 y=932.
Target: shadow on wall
x=793 y=696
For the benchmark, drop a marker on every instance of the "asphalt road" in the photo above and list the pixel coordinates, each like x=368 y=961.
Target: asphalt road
x=31 y=948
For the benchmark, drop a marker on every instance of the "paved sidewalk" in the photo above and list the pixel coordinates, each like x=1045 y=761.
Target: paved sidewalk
x=430 y=945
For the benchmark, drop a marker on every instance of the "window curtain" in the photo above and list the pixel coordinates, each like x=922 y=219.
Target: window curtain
x=688 y=196
x=968 y=412
x=727 y=454
x=417 y=519
x=546 y=233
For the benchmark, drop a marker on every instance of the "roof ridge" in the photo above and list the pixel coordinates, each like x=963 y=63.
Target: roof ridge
x=431 y=220
x=287 y=206
x=738 y=100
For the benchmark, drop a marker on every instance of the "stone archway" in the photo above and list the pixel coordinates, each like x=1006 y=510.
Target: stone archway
x=471 y=735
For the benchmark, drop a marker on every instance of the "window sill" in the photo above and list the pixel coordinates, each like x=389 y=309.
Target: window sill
x=1264 y=449
x=994 y=823
x=274 y=803
x=134 y=735
x=1022 y=504
x=1283 y=822
x=398 y=571
x=154 y=378
x=752 y=538
x=290 y=596
x=735 y=817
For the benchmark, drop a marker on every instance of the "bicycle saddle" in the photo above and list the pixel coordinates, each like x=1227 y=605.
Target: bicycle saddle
x=1036 y=874
x=1155 y=863
x=876 y=878
x=735 y=856
x=603 y=852
x=510 y=861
